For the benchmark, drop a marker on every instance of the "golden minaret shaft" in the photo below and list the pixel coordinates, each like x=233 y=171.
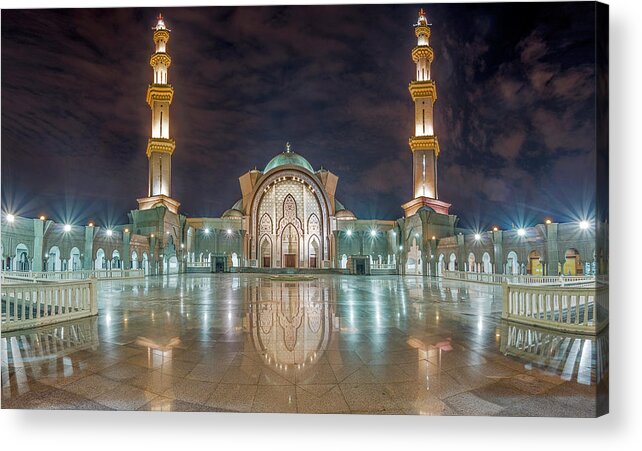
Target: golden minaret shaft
x=424 y=144
x=160 y=146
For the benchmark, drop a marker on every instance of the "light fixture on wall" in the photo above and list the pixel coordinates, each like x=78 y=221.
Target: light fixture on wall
x=67 y=228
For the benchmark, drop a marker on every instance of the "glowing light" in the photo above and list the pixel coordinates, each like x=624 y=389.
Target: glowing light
x=109 y=232
x=349 y=232
x=229 y=231
x=152 y=235
x=10 y=218
x=91 y=224
x=207 y=231
x=434 y=237
x=521 y=232
x=495 y=229
x=182 y=246
x=42 y=217
x=584 y=225
x=548 y=221
x=401 y=248
x=477 y=237
x=373 y=233
x=167 y=232
x=126 y=230
x=67 y=228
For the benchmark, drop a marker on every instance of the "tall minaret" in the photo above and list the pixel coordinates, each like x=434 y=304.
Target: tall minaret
x=160 y=146
x=424 y=144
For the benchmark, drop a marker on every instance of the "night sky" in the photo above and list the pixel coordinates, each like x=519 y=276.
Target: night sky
x=515 y=114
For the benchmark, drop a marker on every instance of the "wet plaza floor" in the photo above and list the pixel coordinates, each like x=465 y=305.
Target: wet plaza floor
x=308 y=344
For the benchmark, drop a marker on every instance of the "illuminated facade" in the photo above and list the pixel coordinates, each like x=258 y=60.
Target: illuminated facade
x=288 y=216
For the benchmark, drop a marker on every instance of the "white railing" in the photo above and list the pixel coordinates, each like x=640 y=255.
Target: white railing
x=198 y=264
x=383 y=266
x=517 y=279
x=27 y=305
x=74 y=275
x=569 y=309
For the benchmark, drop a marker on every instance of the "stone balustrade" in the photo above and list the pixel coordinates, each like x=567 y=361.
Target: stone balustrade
x=27 y=305
x=500 y=279
x=570 y=309
x=74 y=275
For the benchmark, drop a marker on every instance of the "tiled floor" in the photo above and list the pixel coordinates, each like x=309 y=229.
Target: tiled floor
x=332 y=344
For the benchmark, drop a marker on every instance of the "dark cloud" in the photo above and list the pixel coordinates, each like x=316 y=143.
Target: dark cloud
x=515 y=109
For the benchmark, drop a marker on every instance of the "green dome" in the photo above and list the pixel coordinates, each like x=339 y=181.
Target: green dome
x=288 y=158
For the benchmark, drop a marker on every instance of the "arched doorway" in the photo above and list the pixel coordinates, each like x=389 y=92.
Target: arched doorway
x=172 y=267
x=266 y=253
x=134 y=260
x=572 y=263
x=441 y=265
x=344 y=261
x=487 y=266
x=145 y=263
x=74 y=260
x=115 y=259
x=471 y=262
x=100 y=261
x=512 y=265
x=452 y=262
x=21 y=261
x=290 y=247
x=53 y=262
x=313 y=251
x=534 y=264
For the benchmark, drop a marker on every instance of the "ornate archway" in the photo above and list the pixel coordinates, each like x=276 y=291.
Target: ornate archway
x=289 y=212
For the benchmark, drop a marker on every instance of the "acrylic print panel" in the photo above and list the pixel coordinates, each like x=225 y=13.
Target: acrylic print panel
x=396 y=209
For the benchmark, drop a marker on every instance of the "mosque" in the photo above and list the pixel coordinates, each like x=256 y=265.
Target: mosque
x=288 y=218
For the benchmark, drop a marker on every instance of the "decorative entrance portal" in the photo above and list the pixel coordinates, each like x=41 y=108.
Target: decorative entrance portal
x=290 y=246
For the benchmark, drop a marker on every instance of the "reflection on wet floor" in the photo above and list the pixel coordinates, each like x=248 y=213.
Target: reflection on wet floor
x=331 y=344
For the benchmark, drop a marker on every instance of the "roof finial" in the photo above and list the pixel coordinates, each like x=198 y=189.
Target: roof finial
x=288 y=147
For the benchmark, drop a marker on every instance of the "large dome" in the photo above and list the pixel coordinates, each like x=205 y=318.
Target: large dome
x=288 y=158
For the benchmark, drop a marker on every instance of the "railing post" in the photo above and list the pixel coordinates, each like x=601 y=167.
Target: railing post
x=93 y=297
x=505 y=300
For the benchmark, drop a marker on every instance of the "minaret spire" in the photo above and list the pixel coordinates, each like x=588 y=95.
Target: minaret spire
x=160 y=146
x=424 y=144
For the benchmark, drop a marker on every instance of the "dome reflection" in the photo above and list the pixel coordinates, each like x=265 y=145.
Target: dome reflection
x=290 y=321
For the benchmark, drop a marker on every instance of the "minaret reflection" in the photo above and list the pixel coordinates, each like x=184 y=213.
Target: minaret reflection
x=290 y=322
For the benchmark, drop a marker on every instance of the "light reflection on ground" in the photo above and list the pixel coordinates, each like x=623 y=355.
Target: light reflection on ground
x=330 y=344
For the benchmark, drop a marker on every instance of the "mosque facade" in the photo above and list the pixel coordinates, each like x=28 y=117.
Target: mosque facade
x=288 y=217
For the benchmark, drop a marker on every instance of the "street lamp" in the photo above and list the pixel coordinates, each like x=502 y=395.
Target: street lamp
x=521 y=232
x=67 y=228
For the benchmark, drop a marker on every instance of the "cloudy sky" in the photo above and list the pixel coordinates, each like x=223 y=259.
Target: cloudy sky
x=515 y=115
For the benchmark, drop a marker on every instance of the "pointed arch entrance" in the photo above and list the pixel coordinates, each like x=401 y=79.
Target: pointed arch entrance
x=290 y=246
